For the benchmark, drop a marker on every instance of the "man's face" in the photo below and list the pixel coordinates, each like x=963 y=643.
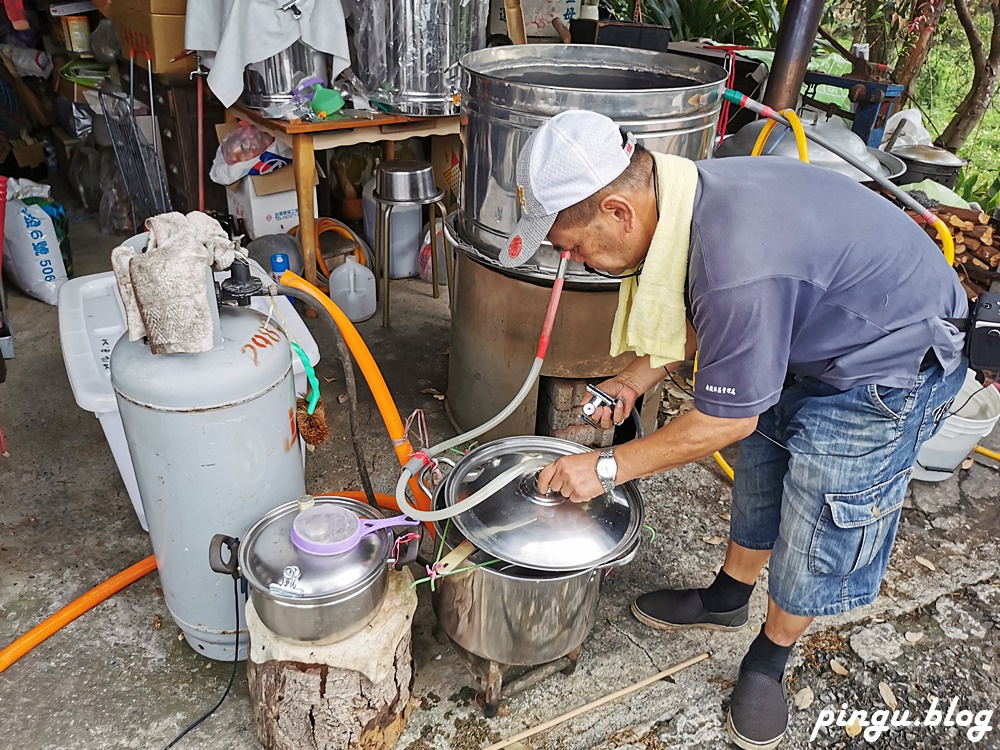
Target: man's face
x=603 y=243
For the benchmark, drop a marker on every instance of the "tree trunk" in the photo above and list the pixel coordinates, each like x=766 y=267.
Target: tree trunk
x=909 y=67
x=970 y=111
x=354 y=694
x=986 y=67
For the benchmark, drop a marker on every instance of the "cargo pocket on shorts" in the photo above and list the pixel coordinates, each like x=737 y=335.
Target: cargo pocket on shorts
x=853 y=527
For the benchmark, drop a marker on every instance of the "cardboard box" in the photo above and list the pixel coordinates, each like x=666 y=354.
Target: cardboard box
x=76 y=33
x=27 y=155
x=446 y=157
x=267 y=203
x=163 y=7
x=159 y=35
x=538 y=15
x=72 y=91
x=65 y=144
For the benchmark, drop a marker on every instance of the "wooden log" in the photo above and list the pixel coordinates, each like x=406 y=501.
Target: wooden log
x=972 y=290
x=960 y=223
x=350 y=695
x=964 y=214
x=982 y=276
x=982 y=233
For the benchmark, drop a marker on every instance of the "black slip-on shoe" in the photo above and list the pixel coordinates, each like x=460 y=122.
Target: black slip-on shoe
x=670 y=609
x=758 y=712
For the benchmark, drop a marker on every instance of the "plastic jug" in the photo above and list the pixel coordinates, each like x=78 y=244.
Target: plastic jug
x=352 y=289
x=406 y=223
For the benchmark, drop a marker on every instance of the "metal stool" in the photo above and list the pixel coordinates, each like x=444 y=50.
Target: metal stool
x=406 y=183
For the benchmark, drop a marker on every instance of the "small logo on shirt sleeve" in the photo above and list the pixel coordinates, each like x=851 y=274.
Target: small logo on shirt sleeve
x=723 y=389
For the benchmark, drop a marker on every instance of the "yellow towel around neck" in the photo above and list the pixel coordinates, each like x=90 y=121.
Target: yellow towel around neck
x=651 y=317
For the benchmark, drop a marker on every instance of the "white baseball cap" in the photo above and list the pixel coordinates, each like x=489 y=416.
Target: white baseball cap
x=568 y=159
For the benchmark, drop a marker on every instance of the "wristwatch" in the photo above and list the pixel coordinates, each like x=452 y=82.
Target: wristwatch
x=607 y=470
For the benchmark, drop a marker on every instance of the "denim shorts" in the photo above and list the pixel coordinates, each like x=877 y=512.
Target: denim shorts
x=827 y=500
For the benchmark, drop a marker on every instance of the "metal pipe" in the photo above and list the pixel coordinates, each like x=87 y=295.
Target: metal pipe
x=793 y=48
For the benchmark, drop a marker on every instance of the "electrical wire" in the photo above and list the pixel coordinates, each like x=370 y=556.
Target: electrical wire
x=232 y=675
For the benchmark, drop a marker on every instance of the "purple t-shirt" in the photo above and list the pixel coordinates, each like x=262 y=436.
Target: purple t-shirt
x=797 y=269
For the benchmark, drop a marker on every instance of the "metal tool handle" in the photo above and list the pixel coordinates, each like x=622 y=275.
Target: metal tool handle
x=422 y=475
x=410 y=550
x=215 y=561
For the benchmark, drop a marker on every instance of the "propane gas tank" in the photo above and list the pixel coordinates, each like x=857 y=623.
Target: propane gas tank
x=215 y=446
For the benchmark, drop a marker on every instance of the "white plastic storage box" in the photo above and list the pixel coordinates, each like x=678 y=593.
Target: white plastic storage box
x=92 y=319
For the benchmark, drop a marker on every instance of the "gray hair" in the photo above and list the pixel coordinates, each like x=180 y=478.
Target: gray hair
x=635 y=177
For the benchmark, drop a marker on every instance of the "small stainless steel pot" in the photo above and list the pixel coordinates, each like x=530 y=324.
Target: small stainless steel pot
x=309 y=597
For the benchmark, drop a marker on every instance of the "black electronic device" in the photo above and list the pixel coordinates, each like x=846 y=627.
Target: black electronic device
x=982 y=339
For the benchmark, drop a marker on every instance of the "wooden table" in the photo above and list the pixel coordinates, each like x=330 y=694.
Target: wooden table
x=347 y=128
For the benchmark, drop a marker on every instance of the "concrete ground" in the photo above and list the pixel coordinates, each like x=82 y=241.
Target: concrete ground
x=119 y=677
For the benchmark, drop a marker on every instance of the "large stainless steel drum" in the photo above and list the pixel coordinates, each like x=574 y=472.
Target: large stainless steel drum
x=671 y=104
x=408 y=51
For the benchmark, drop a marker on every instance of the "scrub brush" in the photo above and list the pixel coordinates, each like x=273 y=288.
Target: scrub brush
x=310 y=416
x=312 y=426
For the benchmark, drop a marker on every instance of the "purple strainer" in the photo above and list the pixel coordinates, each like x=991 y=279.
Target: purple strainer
x=333 y=530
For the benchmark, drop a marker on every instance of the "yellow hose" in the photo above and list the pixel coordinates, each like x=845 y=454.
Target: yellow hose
x=74 y=609
x=947 y=241
x=988 y=453
x=801 y=144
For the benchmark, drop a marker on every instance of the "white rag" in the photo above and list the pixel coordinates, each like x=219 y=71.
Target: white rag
x=165 y=289
x=242 y=32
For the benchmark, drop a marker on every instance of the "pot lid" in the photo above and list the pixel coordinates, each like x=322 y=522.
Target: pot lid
x=781 y=142
x=545 y=532
x=268 y=554
x=929 y=155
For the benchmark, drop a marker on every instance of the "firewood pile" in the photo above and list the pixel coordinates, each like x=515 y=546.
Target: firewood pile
x=977 y=246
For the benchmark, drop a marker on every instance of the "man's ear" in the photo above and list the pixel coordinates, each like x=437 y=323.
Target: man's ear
x=620 y=209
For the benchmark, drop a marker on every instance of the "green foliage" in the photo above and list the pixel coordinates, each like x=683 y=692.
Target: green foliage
x=752 y=23
x=976 y=187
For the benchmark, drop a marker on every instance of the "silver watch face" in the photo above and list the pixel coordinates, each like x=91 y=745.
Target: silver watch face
x=607 y=468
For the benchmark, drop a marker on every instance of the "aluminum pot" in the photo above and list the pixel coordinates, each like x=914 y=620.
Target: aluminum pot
x=929 y=163
x=312 y=597
x=271 y=81
x=514 y=613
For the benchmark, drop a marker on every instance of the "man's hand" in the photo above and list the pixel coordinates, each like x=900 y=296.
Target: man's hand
x=574 y=477
x=620 y=386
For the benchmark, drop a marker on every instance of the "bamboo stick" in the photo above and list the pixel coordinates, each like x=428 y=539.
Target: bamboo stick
x=599 y=702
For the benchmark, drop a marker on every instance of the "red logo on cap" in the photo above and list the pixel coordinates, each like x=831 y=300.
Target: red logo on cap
x=515 y=247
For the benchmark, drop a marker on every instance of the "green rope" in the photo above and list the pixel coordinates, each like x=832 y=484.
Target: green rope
x=453 y=572
x=652 y=532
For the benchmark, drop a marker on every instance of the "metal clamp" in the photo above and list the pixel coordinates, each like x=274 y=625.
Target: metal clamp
x=289 y=580
x=600 y=398
x=292 y=5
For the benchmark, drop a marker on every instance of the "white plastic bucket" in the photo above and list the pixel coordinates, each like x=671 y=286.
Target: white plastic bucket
x=977 y=415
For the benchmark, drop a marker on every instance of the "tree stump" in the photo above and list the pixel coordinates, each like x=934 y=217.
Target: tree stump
x=342 y=696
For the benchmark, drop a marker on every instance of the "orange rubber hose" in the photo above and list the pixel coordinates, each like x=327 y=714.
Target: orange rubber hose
x=386 y=501
x=383 y=399
x=328 y=225
x=74 y=609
